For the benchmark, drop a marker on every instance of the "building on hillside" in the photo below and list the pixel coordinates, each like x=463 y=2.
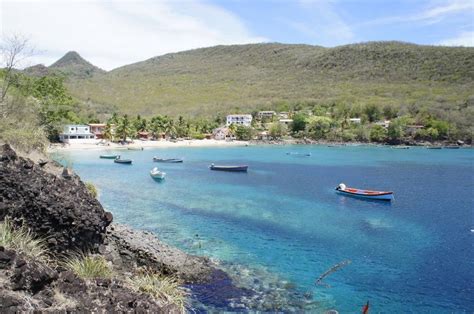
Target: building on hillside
x=239 y=119
x=286 y=121
x=284 y=115
x=266 y=114
x=221 y=133
x=355 y=120
x=384 y=124
x=97 y=129
x=77 y=134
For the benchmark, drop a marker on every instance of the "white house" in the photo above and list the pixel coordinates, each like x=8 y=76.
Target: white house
x=355 y=120
x=77 y=134
x=266 y=114
x=239 y=119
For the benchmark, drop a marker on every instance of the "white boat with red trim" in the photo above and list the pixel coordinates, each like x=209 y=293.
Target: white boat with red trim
x=367 y=194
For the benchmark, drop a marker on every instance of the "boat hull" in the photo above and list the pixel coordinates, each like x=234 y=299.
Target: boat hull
x=160 y=176
x=364 y=194
x=124 y=162
x=229 y=168
x=171 y=160
x=108 y=156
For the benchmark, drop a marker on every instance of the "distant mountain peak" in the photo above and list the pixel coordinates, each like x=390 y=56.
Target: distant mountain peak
x=72 y=64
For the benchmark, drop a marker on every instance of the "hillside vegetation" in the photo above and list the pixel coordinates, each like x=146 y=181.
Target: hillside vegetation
x=224 y=79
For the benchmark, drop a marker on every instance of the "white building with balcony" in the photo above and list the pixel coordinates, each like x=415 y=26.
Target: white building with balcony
x=77 y=134
x=239 y=119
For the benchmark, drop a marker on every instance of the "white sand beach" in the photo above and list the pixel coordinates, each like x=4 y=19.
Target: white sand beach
x=137 y=144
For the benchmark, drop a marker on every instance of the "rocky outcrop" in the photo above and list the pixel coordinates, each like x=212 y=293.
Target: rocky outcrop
x=128 y=249
x=58 y=207
x=27 y=285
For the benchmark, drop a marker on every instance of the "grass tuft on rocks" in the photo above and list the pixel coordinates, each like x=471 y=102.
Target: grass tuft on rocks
x=22 y=240
x=88 y=267
x=165 y=289
x=92 y=189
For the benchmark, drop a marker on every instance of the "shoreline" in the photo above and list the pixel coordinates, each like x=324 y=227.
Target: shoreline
x=139 y=144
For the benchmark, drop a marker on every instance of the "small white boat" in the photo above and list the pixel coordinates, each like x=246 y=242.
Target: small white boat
x=156 y=174
x=367 y=194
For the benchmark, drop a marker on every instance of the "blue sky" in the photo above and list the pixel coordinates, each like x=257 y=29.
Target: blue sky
x=112 y=33
x=331 y=23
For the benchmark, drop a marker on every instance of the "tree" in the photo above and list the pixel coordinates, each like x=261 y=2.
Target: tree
x=378 y=133
x=108 y=132
x=318 y=127
x=157 y=125
x=169 y=127
x=373 y=112
x=232 y=129
x=396 y=130
x=299 y=122
x=124 y=128
x=140 y=124
x=277 y=130
x=243 y=133
x=14 y=49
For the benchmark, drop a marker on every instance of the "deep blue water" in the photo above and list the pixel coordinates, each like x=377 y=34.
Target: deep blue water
x=413 y=255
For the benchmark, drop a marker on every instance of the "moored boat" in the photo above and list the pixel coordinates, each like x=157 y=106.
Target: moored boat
x=401 y=147
x=156 y=174
x=135 y=148
x=118 y=160
x=169 y=160
x=240 y=168
x=108 y=156
x=433 y=147
x=451 y=147
x=299 y=154
x=367 y=194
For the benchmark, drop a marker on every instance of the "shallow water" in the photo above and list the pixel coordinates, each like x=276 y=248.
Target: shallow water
x=413 y=255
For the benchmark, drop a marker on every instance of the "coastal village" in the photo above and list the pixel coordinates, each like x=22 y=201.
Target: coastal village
x=260 y=124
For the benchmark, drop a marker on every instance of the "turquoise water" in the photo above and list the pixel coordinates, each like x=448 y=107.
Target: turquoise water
x=413 y=255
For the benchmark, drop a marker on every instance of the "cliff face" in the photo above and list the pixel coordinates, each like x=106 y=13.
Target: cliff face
x=58 y=207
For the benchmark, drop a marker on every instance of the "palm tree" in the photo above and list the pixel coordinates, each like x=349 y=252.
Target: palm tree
x=124 y=128
x=108 y=133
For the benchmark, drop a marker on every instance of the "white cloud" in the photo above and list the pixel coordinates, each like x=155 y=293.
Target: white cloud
x=114 y=33
x=465 y=39
x=430 y=15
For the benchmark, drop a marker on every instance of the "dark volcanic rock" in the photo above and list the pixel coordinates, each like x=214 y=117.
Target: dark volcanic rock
x=57 y=207
x=32 y=276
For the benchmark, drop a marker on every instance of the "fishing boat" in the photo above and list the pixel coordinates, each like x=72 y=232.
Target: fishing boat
x=299 y=154
x=367 y=194
x=169 y=160
x=433 y=147
x=118 y=160
x=108 y=156
x=401 y=147
x=241 y=168
x=135 y=148
x=451 y=147
x=156 y=174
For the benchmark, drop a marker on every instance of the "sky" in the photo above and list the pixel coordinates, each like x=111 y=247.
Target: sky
x=113 y=33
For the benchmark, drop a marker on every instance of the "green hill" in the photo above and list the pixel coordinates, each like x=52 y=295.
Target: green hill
x=71 y=65
x=243 y=78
